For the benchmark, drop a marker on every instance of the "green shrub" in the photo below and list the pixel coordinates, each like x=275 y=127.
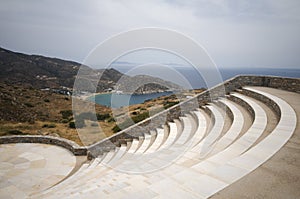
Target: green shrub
x=134 y=113
x=116 y=129
x=140 y=117
x=72 y=125
x=15 y=132
x=64 y=121
x=66 y=114
x=101 y=117
x=49 y=126
x=128 y=121
x=28 y=105
x=111 y=119
x=169 y=104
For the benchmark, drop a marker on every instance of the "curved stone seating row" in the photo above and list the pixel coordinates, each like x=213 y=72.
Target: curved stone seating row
x=188 y=176
x=240 y=145
x=158 y=141
x=211 y=161
x=233 y=131
x=195 y=133
x=205 y=145
x=258 y=154
x=186 y=123
x=110 y=158
x=173 y=131
x=218 y=177
x=203 y=127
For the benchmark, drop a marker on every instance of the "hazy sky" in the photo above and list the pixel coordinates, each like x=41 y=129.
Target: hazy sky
x=236 y=33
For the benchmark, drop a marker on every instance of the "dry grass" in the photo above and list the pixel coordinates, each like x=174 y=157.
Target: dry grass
x=35 y=112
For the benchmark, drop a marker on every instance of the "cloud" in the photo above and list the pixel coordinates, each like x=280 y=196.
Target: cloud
x=236 y=33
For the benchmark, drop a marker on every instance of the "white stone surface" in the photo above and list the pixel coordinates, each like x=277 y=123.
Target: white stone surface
x=28 y=168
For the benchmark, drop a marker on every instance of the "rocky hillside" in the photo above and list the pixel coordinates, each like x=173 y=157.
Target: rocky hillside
x=35 y=71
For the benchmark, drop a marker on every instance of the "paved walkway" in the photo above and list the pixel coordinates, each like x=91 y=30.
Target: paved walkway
x=27 y=168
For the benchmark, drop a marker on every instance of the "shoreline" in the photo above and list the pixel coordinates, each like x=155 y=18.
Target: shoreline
x=85 y=97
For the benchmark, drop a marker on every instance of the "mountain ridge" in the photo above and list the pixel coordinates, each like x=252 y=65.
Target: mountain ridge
x=38 y=71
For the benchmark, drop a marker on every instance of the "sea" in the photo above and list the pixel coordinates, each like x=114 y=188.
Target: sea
x=195 y=79
x=115 y=100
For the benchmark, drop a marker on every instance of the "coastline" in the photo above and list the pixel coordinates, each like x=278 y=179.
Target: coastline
x=84 y=97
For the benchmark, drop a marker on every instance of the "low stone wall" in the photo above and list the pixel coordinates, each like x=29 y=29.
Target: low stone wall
x=71 y=146
x=244 y=104
x=269 y=102
x=225 y=108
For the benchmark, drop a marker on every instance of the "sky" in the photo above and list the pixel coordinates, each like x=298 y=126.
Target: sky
x=235 y=33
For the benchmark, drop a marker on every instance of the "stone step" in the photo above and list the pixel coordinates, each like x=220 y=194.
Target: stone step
x=233 y=132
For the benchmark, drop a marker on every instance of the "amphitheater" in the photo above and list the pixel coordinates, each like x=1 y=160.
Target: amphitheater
x=244 y=144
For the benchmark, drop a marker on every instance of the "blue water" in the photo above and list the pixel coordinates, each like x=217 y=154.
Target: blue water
x=119 y=100
x=196 y=80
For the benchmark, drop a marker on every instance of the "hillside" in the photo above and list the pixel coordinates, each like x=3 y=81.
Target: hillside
x=32 y=111
x=26 y=107
x=39 y=72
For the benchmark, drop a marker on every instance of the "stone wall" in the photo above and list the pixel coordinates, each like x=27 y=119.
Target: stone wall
x=70 y=145
x=269 y=102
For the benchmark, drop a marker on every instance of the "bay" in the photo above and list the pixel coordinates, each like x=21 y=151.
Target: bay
x=115 y=100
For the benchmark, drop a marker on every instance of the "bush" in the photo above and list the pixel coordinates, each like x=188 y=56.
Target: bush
x=64 y=121
x=79 y=124
x=72 y=125
x=128 y=121
x=15 y=132
x=66 y=114
x=111 y=119
x=49 y=126
x=116 y=129
x=140 y=117
x=29 y=105
x=46 y=100
x=169 y=104
x=101 y=117
x=134 y=113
